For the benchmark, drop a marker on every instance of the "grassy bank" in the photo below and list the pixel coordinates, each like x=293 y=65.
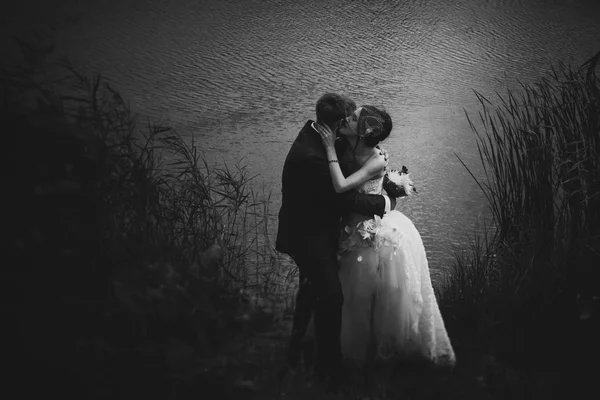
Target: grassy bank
x=142 y=271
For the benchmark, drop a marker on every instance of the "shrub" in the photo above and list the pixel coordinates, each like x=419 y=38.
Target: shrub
x=116 y=248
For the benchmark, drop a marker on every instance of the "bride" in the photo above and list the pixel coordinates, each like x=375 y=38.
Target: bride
x=389 y=309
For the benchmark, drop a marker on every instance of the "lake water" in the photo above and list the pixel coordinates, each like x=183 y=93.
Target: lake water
x=242 y=76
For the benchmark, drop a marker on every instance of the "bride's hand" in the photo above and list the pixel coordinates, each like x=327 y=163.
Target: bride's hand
x=327 y=136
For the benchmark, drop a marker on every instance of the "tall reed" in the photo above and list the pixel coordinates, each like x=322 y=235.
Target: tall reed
x=540 y=151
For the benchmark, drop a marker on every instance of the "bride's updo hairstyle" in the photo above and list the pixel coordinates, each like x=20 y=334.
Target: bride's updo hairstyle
x=374 y=125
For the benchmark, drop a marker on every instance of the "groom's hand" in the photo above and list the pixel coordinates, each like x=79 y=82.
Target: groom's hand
x=392 y=189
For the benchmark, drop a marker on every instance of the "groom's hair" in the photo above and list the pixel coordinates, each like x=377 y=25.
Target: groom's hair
x=332 y=108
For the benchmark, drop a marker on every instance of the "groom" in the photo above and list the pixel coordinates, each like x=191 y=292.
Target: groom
x=309 y=228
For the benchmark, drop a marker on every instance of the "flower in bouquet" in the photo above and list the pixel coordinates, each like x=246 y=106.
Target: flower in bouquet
x=368 y=229
x=377 y=232
x=398 y=183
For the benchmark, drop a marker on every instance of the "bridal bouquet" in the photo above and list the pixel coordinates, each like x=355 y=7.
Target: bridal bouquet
x=398 y=184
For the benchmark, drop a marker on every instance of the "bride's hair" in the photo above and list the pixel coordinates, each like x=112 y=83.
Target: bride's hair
x=332 y=108
x=374 y=125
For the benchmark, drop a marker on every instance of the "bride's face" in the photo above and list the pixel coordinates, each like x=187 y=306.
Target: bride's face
x=350 y=126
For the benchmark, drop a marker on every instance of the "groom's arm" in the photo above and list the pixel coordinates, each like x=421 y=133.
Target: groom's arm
x=365 y=204
x=351 y=201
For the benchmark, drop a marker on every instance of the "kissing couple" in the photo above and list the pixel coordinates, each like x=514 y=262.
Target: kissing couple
x=364 y=275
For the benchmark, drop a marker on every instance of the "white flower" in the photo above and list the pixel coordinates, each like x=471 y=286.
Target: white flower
x=365 y=234
x=369 y=229
x=402 y=179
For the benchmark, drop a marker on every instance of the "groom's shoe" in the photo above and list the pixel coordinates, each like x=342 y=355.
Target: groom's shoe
x=330 y=379
x=331 y=383
x=284 y=372
x=308 y=354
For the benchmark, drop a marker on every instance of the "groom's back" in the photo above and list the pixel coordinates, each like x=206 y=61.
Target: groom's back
x=308 y=197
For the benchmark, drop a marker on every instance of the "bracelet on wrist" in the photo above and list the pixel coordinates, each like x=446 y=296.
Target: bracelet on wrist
x=333 y=161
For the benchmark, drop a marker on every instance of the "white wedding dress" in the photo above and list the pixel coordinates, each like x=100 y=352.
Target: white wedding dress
x=388 y=295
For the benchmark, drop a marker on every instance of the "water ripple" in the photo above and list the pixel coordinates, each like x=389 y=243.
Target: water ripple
x=243 y=75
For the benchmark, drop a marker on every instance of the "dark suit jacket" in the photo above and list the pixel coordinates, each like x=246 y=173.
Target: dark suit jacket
x=310 y=206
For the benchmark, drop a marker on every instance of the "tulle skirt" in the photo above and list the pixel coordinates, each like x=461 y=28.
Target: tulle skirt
x=389 y=301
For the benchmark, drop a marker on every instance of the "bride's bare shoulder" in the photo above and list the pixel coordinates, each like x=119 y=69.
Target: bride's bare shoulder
x=375 y=164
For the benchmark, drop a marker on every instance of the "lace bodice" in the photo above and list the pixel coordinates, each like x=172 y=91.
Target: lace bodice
x=373 y=186
x=350 y=237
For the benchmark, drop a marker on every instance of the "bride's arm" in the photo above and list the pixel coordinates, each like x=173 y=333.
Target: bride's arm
x=372 y=168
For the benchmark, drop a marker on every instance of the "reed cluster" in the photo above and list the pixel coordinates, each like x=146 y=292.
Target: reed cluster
x=123 y=232
x=529 y=275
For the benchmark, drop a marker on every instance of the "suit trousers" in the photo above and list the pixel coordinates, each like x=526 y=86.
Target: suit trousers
x=319 y=292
